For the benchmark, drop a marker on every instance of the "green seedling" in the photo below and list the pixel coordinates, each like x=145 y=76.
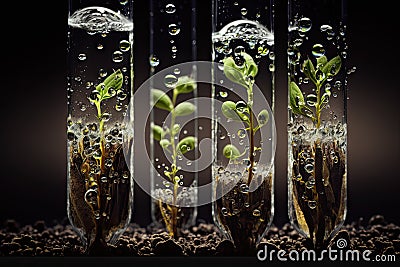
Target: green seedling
x=243 y=71
x=166 y=139
x=314 y=104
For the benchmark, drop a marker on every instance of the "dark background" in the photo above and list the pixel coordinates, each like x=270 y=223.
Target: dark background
x=33 y=109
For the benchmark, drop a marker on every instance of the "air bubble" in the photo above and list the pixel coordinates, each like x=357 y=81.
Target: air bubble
x=318 y=50
x=241 y=106
x=223 y=94
x=243 y=11
x=173 y=29
x=224 y=212
x=91 y=196
x=123 y=2
x=170 y=81
x=312 y=204
x=124 y=45
x=177 y=71
x=241 y=133
x=82 y=57
x=244 y=188
x=83 y=107
x=154 y=61
x=311 y=100
x=304 y=24
x=239 y=50
x=271 y=67
x=309 y=168
x=100 y=46
x=174 y=49
x=262 y=50
x=256 y=213
x=117 y=56
x=102 y=73
x=170 y=8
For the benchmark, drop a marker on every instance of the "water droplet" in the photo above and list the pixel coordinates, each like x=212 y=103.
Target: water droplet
x=246 y=204
x=304 y=24
x=298 y=42
x=272 y=55
x=91 y=196
x=174 y=49
x=124 y=45
x=247 y=162
x=103 y=179
x=239 y=61
x=170 y=8
x=271 y=67
x=106 y=116
x=241 y=133
x=117 y=56
x=311 y=100
x=236 y=3
x=243 y=11
x=177 y=71
x=170 y=81
x=262 y=118
x=318 y=50
x=125 y=175
x=173 y=29
x=312 y=204
x=83 y=107
x=102 y=73
x=256 y=213
x=96 y=214
x=221 y=170
x=241 y=106
x=309 y=168
x=154 y=61
x=224 y=212
x=223 y=94
x=244 y=188
x=188 y=163
x=82 y=57
x=320 y=75
x=118 y=107
x=222 y=136
x=123 y=2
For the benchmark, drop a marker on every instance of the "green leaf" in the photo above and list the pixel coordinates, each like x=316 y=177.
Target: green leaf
x=296 y=98
x=251 y=66
x=186 y=144
x=228 y=108
x=164 y=143
x=158 y=132
x=241 y=75
x=161 y=100
x=332 y=68
x=185 y=85
x=321 y=61
x=233 y=73
x=114 y=81
x=231 y=152
x=309 y=70
x=184 y=109
x=263 y=117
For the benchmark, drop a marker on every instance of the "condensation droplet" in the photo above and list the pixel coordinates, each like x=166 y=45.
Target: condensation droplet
x=173 y=29
x=312 y=204
x=304 y=24
x=124 y=45
x=224 y=212
x=154 y=61
x=170 y=81
x=82 y=57
x=102 y=73
x=117 y=56
x=241 y=133
x=223 y=94
x=170 y=8
x=256 y=213
x=318 y=50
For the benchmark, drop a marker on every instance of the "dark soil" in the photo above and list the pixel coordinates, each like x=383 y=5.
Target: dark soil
x=58 y=239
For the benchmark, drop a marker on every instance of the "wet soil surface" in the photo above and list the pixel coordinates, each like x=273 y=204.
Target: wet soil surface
x=59 y=239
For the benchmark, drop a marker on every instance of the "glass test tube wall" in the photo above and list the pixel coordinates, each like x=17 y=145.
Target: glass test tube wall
x=100 y=80
x=173 y=139
x=243 y=128
x=317 y=128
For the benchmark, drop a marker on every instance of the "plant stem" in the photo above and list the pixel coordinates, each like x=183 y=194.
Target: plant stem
x=251 y=126
x=173 y=168
x=318 y=106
